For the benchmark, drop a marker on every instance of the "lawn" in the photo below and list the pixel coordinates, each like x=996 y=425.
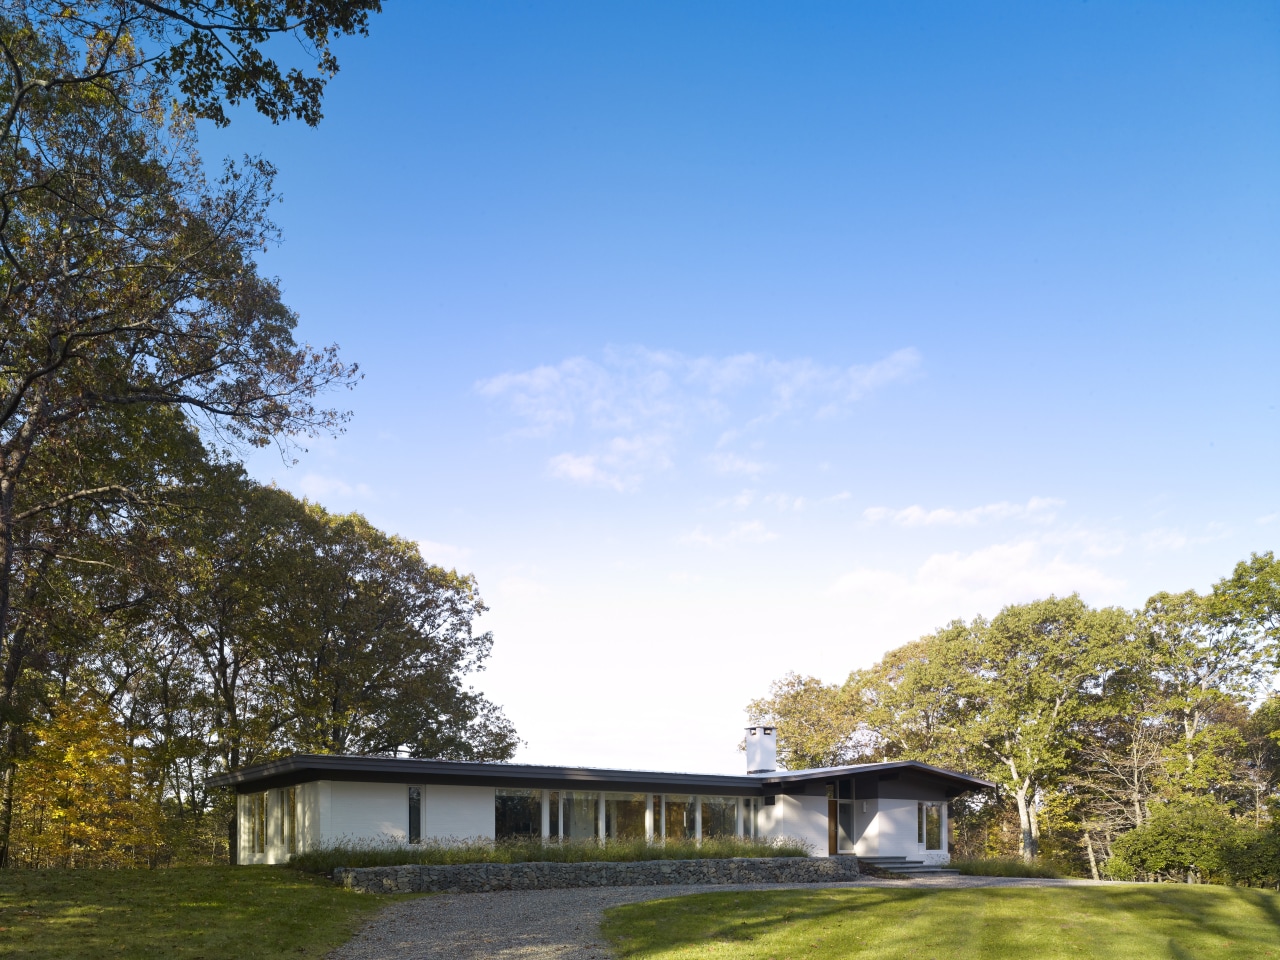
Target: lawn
x=190 y=913
x=1119 y=922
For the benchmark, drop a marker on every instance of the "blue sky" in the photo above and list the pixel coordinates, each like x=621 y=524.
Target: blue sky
x=722 y=340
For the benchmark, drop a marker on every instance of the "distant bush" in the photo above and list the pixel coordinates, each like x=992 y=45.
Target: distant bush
x=1005 y=868
x=391 y=853
x=1180 y=841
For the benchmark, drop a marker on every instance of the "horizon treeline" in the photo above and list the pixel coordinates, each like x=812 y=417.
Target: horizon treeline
x=1130 y=744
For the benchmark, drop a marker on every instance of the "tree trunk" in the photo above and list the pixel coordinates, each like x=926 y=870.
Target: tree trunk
x=1028 y=843
x=1093 y=861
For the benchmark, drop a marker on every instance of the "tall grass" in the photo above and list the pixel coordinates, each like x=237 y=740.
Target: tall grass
x=362 y=853
x=1005 y=868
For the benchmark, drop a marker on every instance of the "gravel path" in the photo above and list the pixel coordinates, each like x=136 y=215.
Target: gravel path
x=545 y=924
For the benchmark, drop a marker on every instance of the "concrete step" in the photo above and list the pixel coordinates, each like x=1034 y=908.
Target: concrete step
x=908 y=868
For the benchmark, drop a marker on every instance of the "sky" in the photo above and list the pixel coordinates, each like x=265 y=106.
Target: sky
x=725 y=340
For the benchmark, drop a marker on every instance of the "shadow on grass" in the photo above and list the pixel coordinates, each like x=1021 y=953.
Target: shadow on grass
x=197 y=912
x=1121 y=921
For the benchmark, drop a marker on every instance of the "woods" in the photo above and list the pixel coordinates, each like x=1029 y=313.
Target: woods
x=162 y=617
x=1130 y=744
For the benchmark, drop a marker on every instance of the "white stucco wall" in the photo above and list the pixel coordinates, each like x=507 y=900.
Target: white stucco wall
x=373 y=811
x=867 y=841
x=798 y=818
x=458 y=813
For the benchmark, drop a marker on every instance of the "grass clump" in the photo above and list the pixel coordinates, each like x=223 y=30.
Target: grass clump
x=391 y=854
x=1119 y=922
x=180 y=913
x=1005 y=868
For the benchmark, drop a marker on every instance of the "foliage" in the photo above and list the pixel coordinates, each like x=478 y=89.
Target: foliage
x=82 y=801
x=1088 y=720
x=190 y=913
x=391 y=854
x=816 y=727
x=1051 y=923
x=1254 y=859
x=1009 y=867
x=1179 y=841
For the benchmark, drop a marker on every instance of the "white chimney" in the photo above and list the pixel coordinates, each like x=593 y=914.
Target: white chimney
x=762 y=749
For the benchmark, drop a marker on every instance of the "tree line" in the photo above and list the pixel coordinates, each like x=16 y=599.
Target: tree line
x=162 y=617
x=1125 y=743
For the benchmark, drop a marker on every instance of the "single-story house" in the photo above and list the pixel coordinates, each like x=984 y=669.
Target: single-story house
x=870 y=809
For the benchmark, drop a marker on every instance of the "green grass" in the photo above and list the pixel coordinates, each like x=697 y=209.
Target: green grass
x=1005 y=868
x=1119 y=922
x=527 y=851
x=183 y=913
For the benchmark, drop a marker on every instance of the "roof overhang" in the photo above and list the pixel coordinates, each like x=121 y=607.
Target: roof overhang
x=303 y=768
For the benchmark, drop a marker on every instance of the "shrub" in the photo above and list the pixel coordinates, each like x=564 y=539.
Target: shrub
x=1180 y=841
x=390 y=853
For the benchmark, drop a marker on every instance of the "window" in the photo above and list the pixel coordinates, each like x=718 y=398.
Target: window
x=553 y=815
x=719 y=816
x=415 y=814
x=929 y=824
x=624 y=816
x=678 y=818
x=581 y=817
x=258 y=823
x=291 y=820
x=750 y=818
x=846 y=834
x=517 y=814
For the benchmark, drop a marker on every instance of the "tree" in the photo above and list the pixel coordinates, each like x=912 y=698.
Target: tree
x=375 y=646
x=128 y=292
x=816 y=726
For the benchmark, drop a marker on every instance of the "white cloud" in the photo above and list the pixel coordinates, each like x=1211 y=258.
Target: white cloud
x=319 y=487
x=1269 y=518
x=639 y=396
x=954 y=584
x=750 y=531
x=618 y=465
x=1040 y=509
x=443 y=554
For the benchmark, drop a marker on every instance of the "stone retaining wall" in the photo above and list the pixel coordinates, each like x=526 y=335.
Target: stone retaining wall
x=479 y=877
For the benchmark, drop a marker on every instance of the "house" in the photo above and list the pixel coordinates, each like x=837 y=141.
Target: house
x=870 y=809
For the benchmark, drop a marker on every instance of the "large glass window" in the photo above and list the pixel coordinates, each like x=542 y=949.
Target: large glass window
x=751 y=818
x=291 y=819
x=415 y=814
x=258 y=822
x=553 y=815
x=624 y=816
x=845 y=827
x=930 y=825
x=581 y=814
x=678 y=818
x=719 y=816
x=517 y=814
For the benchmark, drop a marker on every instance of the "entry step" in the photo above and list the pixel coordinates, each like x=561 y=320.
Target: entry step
x=908 y=868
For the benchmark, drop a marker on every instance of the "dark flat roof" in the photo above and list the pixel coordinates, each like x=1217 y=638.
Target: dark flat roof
x=302 y=768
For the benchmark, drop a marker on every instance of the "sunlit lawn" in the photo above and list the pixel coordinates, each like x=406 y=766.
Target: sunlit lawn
x=1118 y=922
x=195 y=913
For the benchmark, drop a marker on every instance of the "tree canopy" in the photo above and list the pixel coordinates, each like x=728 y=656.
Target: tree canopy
x=1094 y=723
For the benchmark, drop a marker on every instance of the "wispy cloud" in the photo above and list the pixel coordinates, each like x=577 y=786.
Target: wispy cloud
x=1041 y=509
x=320 y=487
x=750 y=531
x=980 y=581
x=443 y=554
x=632 y=410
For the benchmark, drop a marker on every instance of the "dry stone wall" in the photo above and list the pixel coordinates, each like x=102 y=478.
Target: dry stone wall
x=481 y=877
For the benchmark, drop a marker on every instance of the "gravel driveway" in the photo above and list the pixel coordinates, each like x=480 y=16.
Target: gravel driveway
x=545 y=924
